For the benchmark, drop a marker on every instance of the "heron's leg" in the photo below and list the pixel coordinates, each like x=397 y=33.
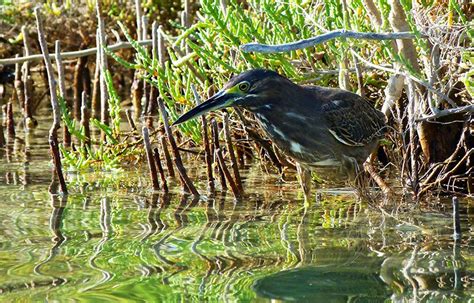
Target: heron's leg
x=304 y=177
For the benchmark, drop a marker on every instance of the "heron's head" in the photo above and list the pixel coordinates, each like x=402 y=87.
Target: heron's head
x=248 y=89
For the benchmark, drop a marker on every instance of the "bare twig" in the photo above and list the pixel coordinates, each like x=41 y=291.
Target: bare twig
x=150 y=158
x=207 y=148
x=447 y=112
x=27 y=82
x=74 y=54
x=95 y=101
x=230 y=150
x=227 y=174
x=393 y=71
x=139 y=14
x=305 y=43
x=104 y=113
x=62 y=88
x=130 y=120
x=10 y=121
x=60 y=68
x=78 y=86
x=412 y=133
x=19 y=87
x=152 y=103
x=53 y=136
x=85 y=116
x=156 y=156
x=216 y=146
x=167 y=155
x=177 y=157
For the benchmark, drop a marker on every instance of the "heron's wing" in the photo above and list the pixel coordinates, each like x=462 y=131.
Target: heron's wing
x=352 y=120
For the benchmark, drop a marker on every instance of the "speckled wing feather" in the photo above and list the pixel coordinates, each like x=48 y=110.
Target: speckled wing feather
x=351 y=119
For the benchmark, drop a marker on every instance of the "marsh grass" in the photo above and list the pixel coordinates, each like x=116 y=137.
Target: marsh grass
x=207 y=53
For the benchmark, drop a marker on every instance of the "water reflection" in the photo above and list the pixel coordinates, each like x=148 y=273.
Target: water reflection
x=135 y=245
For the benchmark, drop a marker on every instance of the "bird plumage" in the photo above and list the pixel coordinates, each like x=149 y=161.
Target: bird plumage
x=316 y=126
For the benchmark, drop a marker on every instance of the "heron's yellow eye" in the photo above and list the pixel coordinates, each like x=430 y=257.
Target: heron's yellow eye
x=244 y=86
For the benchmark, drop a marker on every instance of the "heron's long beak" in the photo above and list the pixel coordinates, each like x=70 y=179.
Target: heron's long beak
x=220 y=100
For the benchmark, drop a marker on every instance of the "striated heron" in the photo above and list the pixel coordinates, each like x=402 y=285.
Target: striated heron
x=316 y=126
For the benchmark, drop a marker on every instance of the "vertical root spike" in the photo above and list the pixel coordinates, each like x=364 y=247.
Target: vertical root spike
x=150 y=158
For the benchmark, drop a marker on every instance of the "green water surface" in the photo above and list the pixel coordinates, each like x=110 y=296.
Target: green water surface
x=113 y=240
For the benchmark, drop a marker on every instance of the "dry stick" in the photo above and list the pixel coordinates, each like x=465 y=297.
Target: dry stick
x=152 y=104
x=53 y=135
x=186 y=23
x=145 y=100
x=443 y=166
x=95 y=101
x=19 y=87
x=187 y=14
x=62 y=90
x=154 y=45
x=137 y=86
x=139 y=14
x=166 y=153
x=156 y=155
x=161 y=47
x=104 y=112
x=151 y=111
x=150 y=158
x=412 y=129
x=406 y=75
x=137 y=94
x=73 y=54
x=10 y=121
x=239 y=150
x=228 y=176
x=161 y=60
x=78 y=87
x=207 y=148
x=216 y=146
x=174 y=147
x=340 y=33
x=27 y=81
x=85 y=117
x=360 y=78
x=447 y=112
x=230 y=150
x=131 y=123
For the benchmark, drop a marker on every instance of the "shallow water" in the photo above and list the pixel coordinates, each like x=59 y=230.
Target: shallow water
x=111 y=239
